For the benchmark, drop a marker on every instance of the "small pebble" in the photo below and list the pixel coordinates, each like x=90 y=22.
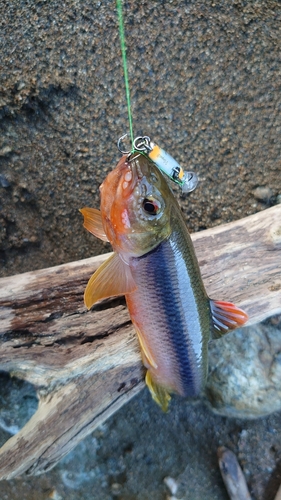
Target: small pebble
x=262 y=193
x=54 y=495
x=5 y=150
x=116 y=489
x=171 y=484
x=4 y=183
x=20 y=86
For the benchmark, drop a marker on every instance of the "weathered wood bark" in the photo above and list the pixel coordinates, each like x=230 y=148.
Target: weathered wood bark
x=86 y=365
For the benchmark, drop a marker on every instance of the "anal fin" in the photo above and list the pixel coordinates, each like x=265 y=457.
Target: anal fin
x=226 y=317
x=159 y=394
x=146 y=354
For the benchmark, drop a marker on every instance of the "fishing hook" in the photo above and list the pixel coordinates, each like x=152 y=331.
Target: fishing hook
x=119 y=145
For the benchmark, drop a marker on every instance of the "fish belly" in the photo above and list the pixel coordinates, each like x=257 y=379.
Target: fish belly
x=171 y=313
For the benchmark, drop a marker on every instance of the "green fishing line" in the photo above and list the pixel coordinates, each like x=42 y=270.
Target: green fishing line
x=125 y=67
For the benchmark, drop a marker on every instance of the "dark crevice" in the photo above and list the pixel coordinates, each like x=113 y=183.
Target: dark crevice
x=109 y=303
x=92 y=338
x=77 y=339
x=25 y=344
x=54 y=315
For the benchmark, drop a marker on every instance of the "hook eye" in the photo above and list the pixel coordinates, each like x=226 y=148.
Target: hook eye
x=142 y=144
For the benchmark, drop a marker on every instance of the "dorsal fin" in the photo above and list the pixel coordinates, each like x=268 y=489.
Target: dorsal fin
x=226 y=317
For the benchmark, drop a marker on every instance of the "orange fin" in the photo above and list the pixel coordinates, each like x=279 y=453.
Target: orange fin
x=112 y=278
x=159 y=394
x=93 y=222
x=147 y=356
x=226 y=317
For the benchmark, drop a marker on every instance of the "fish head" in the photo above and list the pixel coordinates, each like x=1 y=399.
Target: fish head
x=135 y=206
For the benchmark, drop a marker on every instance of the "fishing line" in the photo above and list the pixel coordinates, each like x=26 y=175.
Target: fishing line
x=166 y=163
x=125 y=65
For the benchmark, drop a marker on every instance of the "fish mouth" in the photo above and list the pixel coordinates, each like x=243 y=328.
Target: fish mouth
x=123 y=181
x=121 y=176
x=130 y=174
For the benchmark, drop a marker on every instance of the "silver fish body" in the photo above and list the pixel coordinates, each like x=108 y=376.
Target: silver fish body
x=173 y=311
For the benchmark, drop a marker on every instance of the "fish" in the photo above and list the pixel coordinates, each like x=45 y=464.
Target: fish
x=154 y=265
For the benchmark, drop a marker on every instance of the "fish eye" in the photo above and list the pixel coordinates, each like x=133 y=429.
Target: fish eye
x=151 y=207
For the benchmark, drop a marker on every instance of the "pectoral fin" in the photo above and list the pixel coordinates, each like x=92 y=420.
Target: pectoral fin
x=93 y=222
x=158 y=393
x=226 y=317
x=112 y=278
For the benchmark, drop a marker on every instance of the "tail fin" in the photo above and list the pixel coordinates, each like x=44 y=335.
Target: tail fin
x=226 y=317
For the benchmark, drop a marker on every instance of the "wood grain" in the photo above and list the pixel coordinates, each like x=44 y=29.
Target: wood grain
x=86 y=364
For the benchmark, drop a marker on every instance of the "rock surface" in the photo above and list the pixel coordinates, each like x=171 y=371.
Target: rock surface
x=245 y=372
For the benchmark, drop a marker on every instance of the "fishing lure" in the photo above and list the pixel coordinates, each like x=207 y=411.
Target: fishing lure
x=164 y=161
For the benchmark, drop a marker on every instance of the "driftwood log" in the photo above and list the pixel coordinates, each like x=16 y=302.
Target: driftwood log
x=86 y=364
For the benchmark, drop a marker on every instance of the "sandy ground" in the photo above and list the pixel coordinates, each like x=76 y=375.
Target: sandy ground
x=205 y=83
